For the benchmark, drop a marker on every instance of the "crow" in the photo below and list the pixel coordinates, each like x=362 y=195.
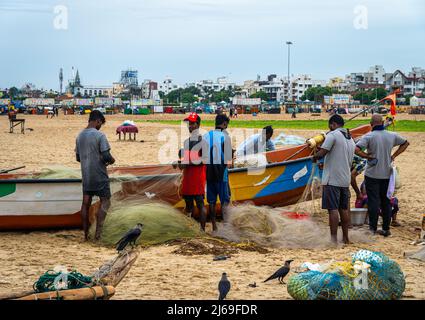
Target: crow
x=223 y=287
x=130 y=237
x=281 y=273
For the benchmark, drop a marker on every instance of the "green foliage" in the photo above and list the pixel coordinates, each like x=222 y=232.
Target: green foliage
x=223 y=95
x=13 y=92
x=186 y=95
x=316 y=94
x=260 y=94
x=51 y=95
x=367 y=97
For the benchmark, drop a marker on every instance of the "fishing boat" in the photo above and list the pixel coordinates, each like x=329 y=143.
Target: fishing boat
x=55 y=203
x=27 y=204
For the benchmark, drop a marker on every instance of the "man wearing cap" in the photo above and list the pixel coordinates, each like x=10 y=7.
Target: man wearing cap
x=194 y=172
x=257 y=143
x=219 y=149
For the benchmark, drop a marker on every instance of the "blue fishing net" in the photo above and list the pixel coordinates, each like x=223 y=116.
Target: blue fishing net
x=384 y=281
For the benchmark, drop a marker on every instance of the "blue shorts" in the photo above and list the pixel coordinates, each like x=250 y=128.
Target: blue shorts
x=220 y=189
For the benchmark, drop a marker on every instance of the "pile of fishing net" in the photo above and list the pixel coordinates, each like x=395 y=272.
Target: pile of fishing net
x=54 y=280
x=57 y=172
x=283 y=140
x=278 y=228
x=161 y=223
x=368 y=276
x=251 y=161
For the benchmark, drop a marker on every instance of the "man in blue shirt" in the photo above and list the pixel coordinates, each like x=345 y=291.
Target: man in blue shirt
x=257 y=143
x=219 y=149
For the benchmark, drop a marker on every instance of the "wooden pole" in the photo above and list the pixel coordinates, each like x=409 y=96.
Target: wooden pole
x=74 y=294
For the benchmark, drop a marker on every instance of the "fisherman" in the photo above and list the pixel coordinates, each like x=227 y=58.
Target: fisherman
x=194 y=170
x=338 y=151
x=219 y=148
x=93 y=152
x=379 y=144
x=358 y=166
x=260 y=142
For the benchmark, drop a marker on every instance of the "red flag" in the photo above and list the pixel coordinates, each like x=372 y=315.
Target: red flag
x=393 y=98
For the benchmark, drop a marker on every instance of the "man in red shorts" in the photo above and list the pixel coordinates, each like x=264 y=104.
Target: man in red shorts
x=194 y=170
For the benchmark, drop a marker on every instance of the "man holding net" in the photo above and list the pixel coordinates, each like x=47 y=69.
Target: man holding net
x=93 y=152
x=193 y=166
x=338 y=151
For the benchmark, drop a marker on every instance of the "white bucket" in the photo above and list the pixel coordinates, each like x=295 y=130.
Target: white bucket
x=358 y=216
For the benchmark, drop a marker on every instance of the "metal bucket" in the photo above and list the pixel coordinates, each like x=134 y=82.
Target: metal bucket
x=358 y=216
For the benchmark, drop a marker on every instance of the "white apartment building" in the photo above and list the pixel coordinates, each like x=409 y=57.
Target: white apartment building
x=167 y=86
x=301 y=83
x=250 y=87
x=222 y=83
x=377 y=74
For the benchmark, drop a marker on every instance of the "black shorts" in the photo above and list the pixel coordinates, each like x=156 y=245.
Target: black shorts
x=103 y=193
x=334 y=198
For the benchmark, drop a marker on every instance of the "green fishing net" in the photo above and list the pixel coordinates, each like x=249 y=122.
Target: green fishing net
x=161 y=222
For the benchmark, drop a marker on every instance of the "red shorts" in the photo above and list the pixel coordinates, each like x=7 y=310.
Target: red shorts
x=194 y=179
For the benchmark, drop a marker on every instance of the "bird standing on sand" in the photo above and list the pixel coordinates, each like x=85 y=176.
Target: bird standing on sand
x=281 y=273
x=223 y=286
x=130 y=237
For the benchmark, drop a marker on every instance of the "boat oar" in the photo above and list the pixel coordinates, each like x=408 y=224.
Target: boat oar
x=9 y=170
x=363 y=111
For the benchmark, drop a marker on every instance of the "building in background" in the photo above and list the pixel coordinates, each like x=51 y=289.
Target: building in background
x=249 y=88
x=409 y=85
x=167 y=86
x=300 y=84
x=129 y=78
x=150 y=90
x=94 y=91
x=222 y=83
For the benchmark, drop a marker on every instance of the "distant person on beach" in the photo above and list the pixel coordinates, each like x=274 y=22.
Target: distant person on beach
x=338 y=151
x=257 y=143
x=194 y=171
x=93 y=152
x=379 y=144
x=219 y=148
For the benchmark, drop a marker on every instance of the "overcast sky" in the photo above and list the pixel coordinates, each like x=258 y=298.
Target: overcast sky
x=190 y=40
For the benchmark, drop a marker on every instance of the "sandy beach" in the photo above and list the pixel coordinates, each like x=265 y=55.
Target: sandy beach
x=160 y=273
